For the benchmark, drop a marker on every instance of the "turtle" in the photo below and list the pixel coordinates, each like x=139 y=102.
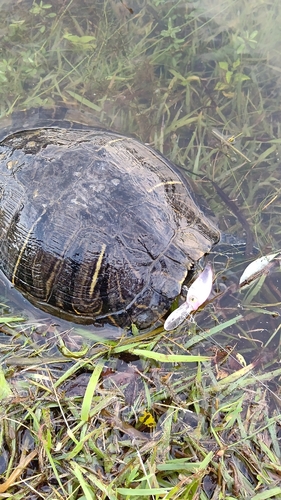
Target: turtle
x=96 y=227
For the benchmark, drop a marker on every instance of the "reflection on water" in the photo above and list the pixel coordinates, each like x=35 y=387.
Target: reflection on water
x=168 y=73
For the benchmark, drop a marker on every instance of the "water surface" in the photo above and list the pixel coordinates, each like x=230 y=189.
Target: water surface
x=170 y=73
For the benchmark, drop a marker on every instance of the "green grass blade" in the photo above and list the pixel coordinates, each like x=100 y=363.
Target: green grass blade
x=91 y=387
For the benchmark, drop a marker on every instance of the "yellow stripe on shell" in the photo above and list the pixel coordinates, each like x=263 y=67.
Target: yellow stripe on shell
x=97 y=270
x=24 y=246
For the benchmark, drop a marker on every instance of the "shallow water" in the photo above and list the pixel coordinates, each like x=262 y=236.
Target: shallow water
x=169 y=73
x=186 y=77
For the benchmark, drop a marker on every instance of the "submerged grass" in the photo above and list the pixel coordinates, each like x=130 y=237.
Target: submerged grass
x=194 y=414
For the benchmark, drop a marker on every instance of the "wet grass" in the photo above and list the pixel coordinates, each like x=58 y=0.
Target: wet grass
x=141 y=418
x=194 y=414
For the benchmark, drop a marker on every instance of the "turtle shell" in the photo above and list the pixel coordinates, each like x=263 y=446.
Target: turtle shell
x=95 y=227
